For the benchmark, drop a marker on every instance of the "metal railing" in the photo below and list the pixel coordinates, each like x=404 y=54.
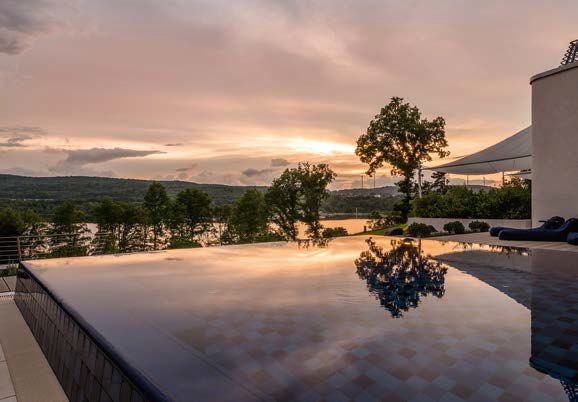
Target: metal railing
x=19 y=248
x=571 y=54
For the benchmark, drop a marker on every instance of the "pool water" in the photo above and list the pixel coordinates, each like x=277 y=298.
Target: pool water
x=359 y=318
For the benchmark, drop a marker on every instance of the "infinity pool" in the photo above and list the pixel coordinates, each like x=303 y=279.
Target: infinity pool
x=355 y=319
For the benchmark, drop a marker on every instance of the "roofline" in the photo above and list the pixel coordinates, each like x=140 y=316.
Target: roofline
x=556 y=70
x=475 y=163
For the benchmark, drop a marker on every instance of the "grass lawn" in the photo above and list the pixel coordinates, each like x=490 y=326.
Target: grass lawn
x=379 y=232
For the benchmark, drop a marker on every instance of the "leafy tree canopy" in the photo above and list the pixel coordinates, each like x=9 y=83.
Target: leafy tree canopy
x=298 y=196
x=399 y=137
x=249 y=218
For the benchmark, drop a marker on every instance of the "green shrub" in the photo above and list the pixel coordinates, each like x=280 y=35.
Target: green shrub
x=511 y=201
x=455 y=227
x=432 y=228
x=10 y=270
x=378 y=220
x=334 y=232
x=419 y=230
x=478 y=226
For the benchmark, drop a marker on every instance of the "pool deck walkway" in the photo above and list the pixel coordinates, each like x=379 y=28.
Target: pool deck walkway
x=485 y=238
x=25 y=375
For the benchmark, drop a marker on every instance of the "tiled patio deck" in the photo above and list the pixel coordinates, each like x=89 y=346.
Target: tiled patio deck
x=485 y=238
x=7 y=393
x=25 y=375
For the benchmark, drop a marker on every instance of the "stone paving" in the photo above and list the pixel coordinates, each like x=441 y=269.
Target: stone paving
x=485 y=238
x=24 y=372
x=7 y=393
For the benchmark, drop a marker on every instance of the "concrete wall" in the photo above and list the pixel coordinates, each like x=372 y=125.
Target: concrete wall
x=555 y=143
x=439 y=223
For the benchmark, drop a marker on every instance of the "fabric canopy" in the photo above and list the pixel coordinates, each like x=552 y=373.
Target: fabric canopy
x=512 y=154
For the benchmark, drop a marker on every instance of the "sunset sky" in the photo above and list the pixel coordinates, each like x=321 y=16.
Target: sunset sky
x=234 y=92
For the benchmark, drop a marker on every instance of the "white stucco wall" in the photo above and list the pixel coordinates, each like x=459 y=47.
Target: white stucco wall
x=555 y=143
x=439 y=223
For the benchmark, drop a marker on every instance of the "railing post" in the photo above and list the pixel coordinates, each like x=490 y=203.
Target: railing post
x=19 y=248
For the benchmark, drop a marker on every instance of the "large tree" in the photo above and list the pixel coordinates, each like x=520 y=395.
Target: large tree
x=399 y=137
x=249 y=219
x=314 y=181
x=282 y=199
x=121 y=226
x=297 y=196
x=440 y=182
x=156 y=203
x=190 y=217
x=69 y=232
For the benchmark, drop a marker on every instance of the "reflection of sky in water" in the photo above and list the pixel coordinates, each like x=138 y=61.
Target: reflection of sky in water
x=292 y=322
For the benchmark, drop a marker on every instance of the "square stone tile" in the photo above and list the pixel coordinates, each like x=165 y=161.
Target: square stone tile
x=6 y=387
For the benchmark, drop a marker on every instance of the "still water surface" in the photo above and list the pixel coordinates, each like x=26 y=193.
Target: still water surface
x=355 y=319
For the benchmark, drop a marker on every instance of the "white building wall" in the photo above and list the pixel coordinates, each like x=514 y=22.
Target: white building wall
x=555 y=143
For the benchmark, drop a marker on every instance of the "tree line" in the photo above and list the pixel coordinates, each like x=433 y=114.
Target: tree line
x=189 y=219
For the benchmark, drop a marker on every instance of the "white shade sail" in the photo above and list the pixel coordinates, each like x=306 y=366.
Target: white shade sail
x=512 y=154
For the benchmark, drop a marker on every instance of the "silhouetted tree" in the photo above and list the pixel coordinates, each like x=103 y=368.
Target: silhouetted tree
x=11 y=226
x=121 y=226
x=282 y=199
x=297 y=196
x=400 y=137
x=222 y=220
x=190 y=217
x=156 y=203
x=69 y=232
x=249 y=219
x=440 y=182
x=314 y=180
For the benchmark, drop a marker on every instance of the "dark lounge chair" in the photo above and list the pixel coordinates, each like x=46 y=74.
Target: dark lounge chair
x=572 y=238
x=395 y=232
x=560 y=234
x=553 y=223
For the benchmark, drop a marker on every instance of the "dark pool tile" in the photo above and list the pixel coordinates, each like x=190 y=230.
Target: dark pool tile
x=428 y=374
x=363 y=381
x=500 y=381
x=401 y=373
x=351 y=389
x=462 y=391
x=509 y=397
x=434 y=391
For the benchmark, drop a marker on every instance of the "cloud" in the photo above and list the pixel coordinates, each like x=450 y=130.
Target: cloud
x=176 y=144
x=279 y=162
x=14 y=137
x=100 y=155
x=186 y=168
x=76 y=160
x=251 y=172
x=22 y=21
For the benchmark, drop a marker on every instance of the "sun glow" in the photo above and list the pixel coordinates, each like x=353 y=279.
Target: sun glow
x=324 y=148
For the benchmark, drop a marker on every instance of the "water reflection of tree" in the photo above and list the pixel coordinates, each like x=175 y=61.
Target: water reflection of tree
x=399 y=277
x=314 y=242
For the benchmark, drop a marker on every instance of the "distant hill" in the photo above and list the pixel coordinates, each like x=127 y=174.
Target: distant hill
x=44 y=194
x=84 y=188
x=387 y=191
